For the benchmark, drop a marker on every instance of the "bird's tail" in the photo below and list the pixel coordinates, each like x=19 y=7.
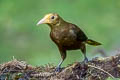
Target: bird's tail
x=94 y=43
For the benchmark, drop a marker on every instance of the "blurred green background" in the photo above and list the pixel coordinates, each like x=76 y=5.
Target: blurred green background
x=21 y=38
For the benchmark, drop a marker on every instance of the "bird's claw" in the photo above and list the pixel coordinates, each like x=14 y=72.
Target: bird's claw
x=85 y=60
x=58 y=69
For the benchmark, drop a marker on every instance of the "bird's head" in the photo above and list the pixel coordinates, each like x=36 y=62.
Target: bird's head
x=50 y=19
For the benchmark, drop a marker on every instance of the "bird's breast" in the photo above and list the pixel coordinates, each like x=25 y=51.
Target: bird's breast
x=63 y=36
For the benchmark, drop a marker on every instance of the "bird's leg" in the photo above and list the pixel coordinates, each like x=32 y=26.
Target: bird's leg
x=63 y=55
x=59 y=66
x=85 y=58
x=83 y=49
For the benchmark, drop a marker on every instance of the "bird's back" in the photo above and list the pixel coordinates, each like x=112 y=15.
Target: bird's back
x=80 y=34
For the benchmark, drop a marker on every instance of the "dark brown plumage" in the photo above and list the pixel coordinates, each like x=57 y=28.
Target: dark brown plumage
x=67 y=36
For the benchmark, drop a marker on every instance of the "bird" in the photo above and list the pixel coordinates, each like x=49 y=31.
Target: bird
x=67 y=36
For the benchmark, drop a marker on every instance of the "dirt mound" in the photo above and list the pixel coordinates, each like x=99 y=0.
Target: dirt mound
x=96 y=69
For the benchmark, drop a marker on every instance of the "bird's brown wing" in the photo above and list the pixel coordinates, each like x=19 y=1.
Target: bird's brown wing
x=80 y=34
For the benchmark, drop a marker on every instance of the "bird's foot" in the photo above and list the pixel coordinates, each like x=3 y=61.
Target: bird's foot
x=58 y=69
x=86 y=60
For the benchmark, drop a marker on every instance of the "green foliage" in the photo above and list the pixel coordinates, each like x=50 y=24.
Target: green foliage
x=113 y=79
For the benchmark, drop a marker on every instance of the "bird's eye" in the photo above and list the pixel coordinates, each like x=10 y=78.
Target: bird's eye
x=52 y=17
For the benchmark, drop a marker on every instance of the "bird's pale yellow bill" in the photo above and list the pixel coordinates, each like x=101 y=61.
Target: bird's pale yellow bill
x=42 y=21
x=45 y=20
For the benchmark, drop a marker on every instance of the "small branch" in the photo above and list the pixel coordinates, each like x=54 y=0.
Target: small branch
x=101 y=70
